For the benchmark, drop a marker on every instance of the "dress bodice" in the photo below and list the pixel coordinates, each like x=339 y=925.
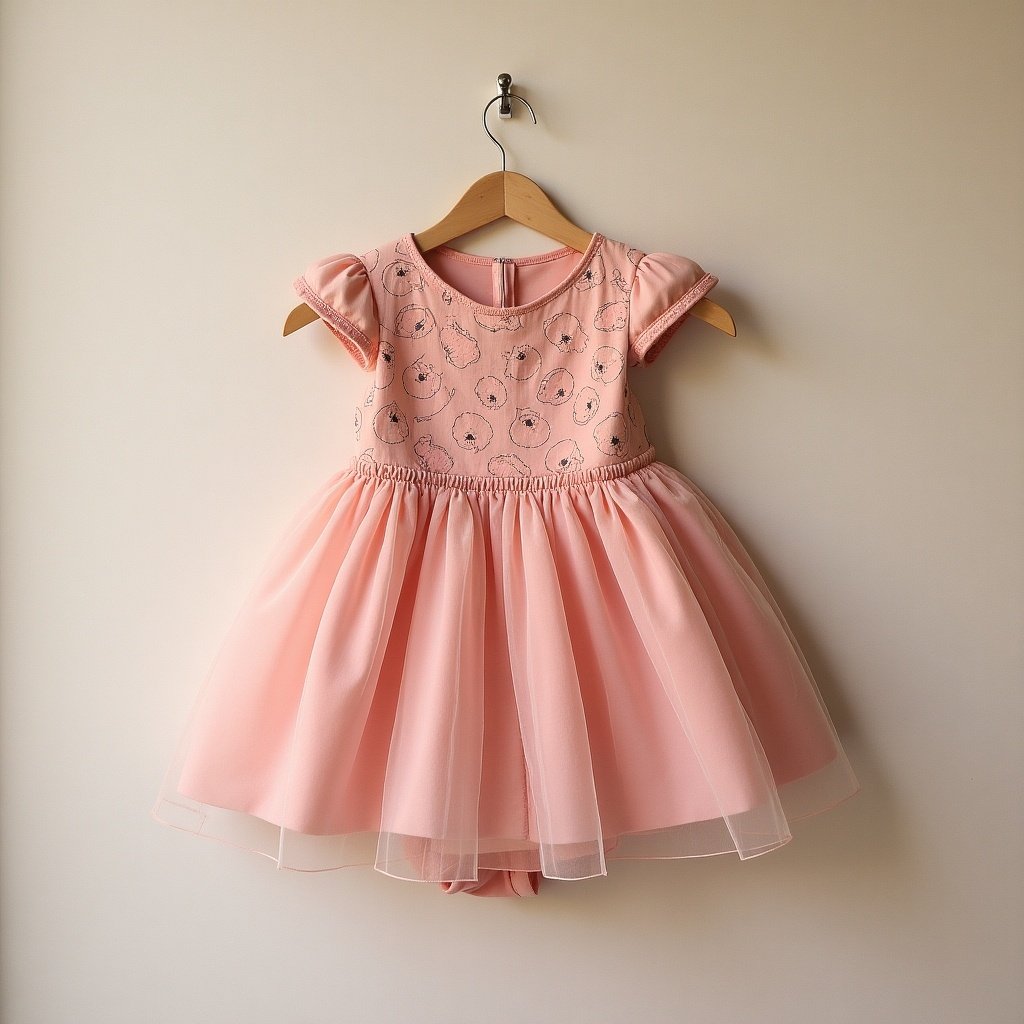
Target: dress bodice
x=499 y=367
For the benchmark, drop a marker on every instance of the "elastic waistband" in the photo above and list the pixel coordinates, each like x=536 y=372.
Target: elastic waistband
x=468 y=482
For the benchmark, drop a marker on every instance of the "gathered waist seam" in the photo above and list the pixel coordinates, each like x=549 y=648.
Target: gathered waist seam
x=468 y=482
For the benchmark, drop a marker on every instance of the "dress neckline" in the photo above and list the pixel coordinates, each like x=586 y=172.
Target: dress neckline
x=587 y=255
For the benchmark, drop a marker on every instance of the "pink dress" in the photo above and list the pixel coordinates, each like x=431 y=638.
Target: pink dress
x=506 y=641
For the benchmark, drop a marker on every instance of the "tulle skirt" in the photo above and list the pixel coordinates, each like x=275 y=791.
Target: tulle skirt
x=477 y=683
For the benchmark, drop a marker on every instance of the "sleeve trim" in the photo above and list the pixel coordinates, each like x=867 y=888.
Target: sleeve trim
x=357 y=343
x=656 y=335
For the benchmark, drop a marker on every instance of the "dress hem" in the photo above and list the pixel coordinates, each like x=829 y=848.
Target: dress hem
x=783 y=839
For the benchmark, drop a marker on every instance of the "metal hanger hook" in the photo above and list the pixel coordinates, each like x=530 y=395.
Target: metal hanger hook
x=505 y=110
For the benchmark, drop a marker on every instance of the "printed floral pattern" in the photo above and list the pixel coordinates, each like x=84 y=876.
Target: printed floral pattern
x=538 y=389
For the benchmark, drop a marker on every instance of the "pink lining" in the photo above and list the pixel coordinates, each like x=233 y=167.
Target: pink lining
x=498 y=882
x=588 y=254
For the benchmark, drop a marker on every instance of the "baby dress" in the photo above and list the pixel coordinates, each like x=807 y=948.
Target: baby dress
x=506 y=641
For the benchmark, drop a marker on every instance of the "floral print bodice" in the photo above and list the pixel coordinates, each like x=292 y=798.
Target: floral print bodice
x=531 y=382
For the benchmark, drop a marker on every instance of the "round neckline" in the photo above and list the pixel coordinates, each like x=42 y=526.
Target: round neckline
x=417 y=257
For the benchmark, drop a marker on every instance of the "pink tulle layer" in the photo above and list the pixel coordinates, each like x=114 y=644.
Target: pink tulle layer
x=480 y=686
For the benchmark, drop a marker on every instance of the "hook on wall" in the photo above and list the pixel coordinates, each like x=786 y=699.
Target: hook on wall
x=505 y=109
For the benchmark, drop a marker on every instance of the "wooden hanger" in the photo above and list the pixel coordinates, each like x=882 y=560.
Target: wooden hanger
x=508 y=194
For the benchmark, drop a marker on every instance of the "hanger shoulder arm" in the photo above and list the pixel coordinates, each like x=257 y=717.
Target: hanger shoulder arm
x=299 y=317
x=716 y=315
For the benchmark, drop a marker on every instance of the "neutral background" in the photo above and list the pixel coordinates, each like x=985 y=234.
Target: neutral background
x=852 y=173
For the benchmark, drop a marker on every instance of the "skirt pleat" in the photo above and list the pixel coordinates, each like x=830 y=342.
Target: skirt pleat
x=453 y=684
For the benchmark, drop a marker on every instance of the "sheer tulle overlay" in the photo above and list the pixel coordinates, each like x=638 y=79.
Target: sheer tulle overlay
x=480 y=681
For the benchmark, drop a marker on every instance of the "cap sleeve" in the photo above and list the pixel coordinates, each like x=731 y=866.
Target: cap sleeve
x=338 y=289
x=665 y=288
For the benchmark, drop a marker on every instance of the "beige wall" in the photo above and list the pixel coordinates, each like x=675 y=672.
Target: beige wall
x=851 y=171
